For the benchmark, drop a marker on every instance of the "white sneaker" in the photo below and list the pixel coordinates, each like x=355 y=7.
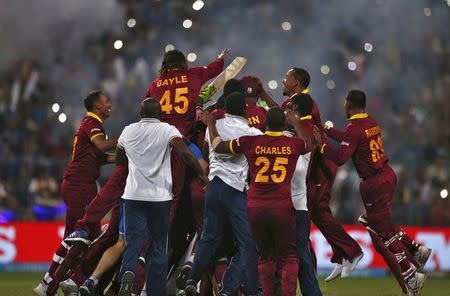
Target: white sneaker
x=415 y=284
x=41 y=290
x=335 y=273
x=69 y=288
x=348 y=267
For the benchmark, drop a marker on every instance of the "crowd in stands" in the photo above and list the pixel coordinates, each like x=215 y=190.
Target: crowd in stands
x=406 y=77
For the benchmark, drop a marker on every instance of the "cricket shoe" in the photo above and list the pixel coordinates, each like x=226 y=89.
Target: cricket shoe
x=77 y=236
x=415 y=284
x=335 y=273
x=88 y=288
x=421 y=256
x=41 y=290
x=69 y=288
x=191 y=288
x=348 y=267
x=127 y=283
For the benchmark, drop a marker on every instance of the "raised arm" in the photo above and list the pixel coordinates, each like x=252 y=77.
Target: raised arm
x=346 y=148
x=334 y=133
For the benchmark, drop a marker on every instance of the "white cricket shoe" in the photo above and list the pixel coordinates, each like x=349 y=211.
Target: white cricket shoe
x=421 y=256
x=415 y=284
x=69 y=288
x=41 y=290
x=335 y=273
x=348 y=267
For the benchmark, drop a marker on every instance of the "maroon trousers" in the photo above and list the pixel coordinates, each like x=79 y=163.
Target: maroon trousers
x=274 y=231
x=376 y=193
x=319 y=194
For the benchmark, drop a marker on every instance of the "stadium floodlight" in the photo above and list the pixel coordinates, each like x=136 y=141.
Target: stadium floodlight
x=331 y=84
x=55 y=107
x=191 y=57
x=62 y=117
x=324 y=69
x=197 y=5
x=427 y=11
x=368 y=47
x=444 y=193
x=169 y=47
x=118 y=44
x=131 y=23
x=286 y=26
x=272 y=84
x=187 y=23
x=351 y=66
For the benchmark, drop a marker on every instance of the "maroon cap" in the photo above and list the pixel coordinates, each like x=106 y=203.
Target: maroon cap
x=252 y=86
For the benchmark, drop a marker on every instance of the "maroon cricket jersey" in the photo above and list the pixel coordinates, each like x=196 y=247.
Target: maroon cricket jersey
x=178 y=94
x=361 y=140
x=314 y=113
x=272 y=159
x=256 y=116
x=86 y=157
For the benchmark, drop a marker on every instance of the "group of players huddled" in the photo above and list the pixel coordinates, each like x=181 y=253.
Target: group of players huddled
x=247 y=179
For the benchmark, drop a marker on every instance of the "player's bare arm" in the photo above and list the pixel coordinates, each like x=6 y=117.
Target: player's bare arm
x=121 y=157
x=104 y=144
x=188 y=157
x=293 y=119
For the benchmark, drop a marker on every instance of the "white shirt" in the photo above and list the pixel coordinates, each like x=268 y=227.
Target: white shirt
x=298 y=183
x=232 y=169
x=147 y=146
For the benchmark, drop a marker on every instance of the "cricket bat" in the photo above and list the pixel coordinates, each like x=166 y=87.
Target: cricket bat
x=230 y=72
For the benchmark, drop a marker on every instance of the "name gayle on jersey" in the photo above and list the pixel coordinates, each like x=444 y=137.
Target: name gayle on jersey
x=172 y=81
x=283 y=150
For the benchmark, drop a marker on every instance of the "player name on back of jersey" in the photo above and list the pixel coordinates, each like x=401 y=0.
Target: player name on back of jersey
x=372 y=131
x=283 y=150
x=172 y=81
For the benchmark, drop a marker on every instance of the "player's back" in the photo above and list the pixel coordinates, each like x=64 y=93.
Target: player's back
x=178 y=93
x=272 y=159
x=84 y=166
x=256 y=116
x=369 y=157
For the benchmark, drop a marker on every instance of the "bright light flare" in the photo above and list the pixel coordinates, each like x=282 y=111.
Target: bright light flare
x=197 y=5
x=187 y=23
x=325 y=69
x=191 y=57
x=118 y=44
x=55 y=107
x=62 y=117
x=444 y=193
x=331 y=84
x=351 y=66
x=272 y=84
x=131 y=23
x=286 y=26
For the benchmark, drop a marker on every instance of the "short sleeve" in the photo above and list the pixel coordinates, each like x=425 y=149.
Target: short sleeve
x=173 y=132
x=121 y=140
x=94 y=128
x=239 y=145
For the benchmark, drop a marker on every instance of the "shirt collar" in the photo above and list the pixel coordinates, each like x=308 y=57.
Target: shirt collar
x=359 y=116
x=274 y=134
x=150 y=120
x=92 y=114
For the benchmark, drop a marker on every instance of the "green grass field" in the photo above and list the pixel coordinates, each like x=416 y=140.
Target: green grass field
x=21 y=283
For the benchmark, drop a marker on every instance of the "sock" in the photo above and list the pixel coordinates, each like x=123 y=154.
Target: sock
x=94 y=279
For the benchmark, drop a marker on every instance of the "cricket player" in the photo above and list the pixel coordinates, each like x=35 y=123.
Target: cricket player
x=346 y=251
x=272 y=160
x=79 y=183
x=361 y=140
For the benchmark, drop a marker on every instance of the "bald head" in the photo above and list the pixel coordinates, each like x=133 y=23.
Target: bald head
x=150 y=108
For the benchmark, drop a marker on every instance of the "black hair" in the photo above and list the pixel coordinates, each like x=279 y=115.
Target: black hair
x=150 y=108
x=357 y=99
x=304 y=104
x=302 y=76
x=231 y=86
x=235 y=104
x=173 y=59
x=91 y=99
x=275 y=119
